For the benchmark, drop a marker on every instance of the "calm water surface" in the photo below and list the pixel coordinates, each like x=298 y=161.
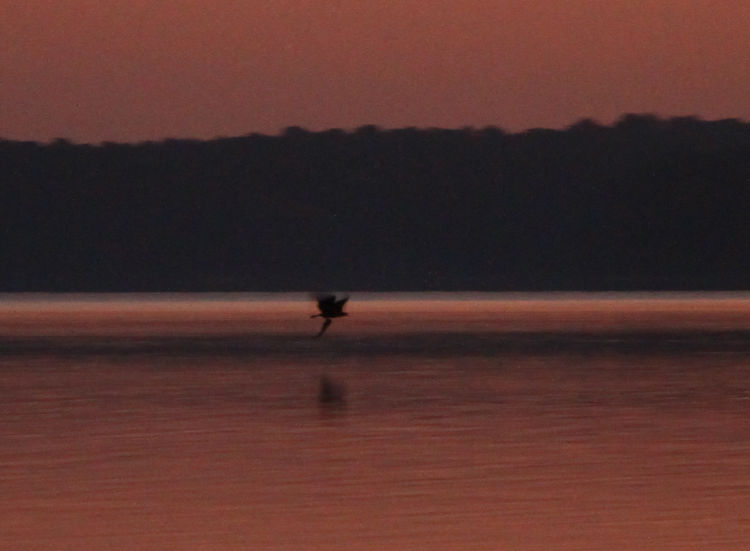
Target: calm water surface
x=472 y=422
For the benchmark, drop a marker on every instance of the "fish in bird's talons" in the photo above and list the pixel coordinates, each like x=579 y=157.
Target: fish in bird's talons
x=330 y=392
x=329 y=308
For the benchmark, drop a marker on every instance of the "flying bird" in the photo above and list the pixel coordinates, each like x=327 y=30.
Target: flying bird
x=329 y=308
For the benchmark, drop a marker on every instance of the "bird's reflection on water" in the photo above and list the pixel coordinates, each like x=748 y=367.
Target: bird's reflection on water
x=331 y=393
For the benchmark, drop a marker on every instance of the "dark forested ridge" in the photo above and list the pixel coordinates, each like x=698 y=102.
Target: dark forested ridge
x=645 y=203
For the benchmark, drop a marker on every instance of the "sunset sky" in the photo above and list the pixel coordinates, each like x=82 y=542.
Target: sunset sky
x=96 y=70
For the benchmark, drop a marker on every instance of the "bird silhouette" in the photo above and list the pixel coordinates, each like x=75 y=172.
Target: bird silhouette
x=329 y=308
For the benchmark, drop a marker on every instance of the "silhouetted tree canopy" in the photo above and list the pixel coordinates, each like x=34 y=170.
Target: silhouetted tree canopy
x=646 y=203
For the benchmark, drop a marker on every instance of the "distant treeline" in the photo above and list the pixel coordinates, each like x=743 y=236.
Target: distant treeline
x=646 y=203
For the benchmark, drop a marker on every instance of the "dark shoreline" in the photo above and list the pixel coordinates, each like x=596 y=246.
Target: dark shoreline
x=643 y=204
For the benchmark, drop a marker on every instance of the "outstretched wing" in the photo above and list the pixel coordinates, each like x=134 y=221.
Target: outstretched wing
x=339 y=304
x=326 y=303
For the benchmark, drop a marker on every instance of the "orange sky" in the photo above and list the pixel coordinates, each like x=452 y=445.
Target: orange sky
x=93 y=70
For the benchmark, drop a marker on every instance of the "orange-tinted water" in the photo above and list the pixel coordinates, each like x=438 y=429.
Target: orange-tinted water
x=566 y=423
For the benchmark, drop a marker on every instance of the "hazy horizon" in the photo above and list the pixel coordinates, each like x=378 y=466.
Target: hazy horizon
x=91 y=72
